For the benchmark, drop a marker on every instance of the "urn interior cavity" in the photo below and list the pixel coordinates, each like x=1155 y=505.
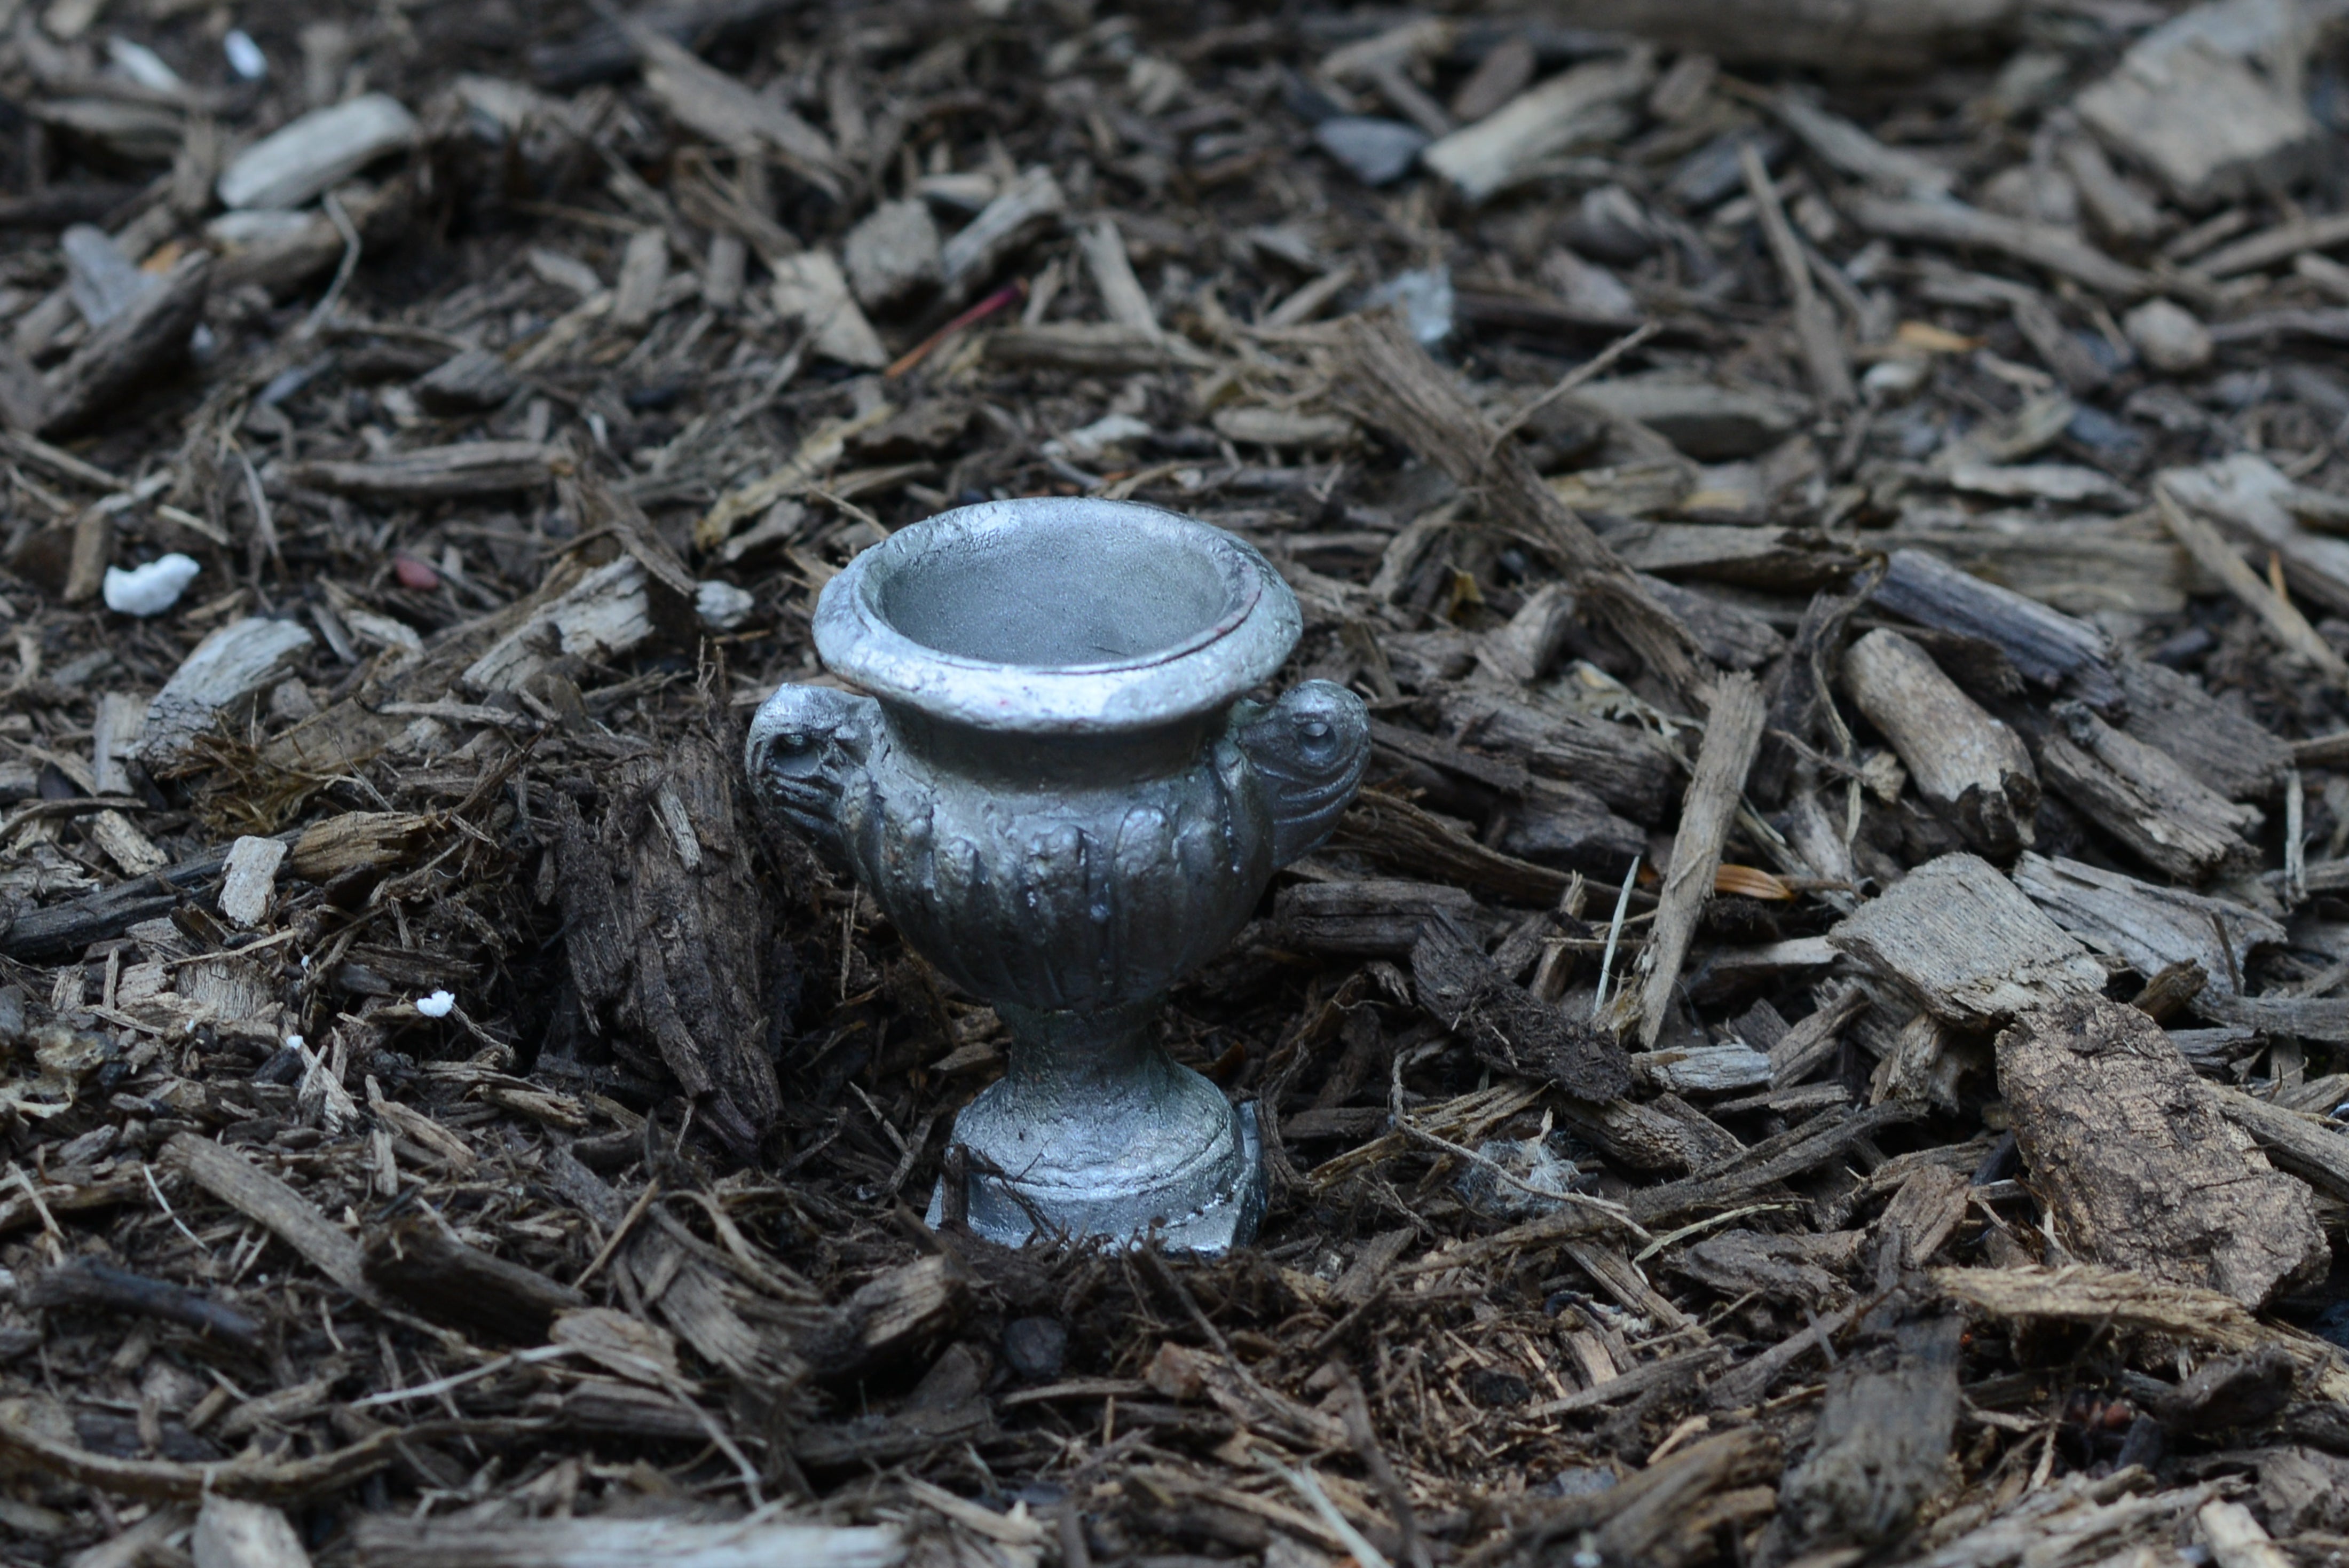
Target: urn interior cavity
x=1056 y=616
x=1065 y=593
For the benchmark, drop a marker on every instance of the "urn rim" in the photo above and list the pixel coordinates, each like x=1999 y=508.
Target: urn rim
x=1233 y=625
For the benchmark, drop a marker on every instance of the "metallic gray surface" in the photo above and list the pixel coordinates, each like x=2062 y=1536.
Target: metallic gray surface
x=1060 y=800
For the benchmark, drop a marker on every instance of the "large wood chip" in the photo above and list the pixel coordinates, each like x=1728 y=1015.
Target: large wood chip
x=2151 y=926
x=2208 y=126
x=215 y=685
x=2245 y=495
x=113 y=365
x=1584 y=105
x=722 y=108
x=606 y=614
x=2144 y=798
x=2044 y=645
x=668 y=930
x=1966 y=764
x=2132 y=1303
x=2138 y=1166
x=269 y=1202
x=1880 y=1453
x=2058 y=251
x=1967 y=944
x=421 y=1263
x=1513 y=1031
x=293 y=164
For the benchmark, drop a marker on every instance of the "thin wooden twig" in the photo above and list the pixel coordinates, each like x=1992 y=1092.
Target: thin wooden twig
x=1732 y=737
x=619 y=1232
x=2279 y=615
x=1614 y=935
x=1355 y=1410
x=1590 y=370
x=1011 y=293
x=1815 y=323
x=325 y=309
x=1303 y=1482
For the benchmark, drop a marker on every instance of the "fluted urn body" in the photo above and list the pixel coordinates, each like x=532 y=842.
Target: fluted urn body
x=1057 y=794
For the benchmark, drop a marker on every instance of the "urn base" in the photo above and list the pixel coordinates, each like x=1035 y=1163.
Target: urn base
x=1095 y=1132
x=1212 y=1209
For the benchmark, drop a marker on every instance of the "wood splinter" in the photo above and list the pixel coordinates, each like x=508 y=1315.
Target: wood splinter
x=1732 y=737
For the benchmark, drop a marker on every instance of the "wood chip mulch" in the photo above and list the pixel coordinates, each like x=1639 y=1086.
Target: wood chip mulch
x=1825 y=1038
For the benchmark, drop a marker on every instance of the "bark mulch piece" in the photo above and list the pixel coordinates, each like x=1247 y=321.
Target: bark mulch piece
x=1825 y=1038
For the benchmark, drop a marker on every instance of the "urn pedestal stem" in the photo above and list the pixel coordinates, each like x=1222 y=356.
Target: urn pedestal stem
x=1094 y=1130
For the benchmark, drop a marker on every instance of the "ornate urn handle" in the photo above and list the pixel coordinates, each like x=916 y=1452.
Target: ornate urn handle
x=1308 y=750
x=807 y=745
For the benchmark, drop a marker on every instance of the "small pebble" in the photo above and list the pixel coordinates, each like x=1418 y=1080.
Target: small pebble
x=1896 y=380
x=290 y=702
x=1378 y=151
x=2092 y=427
x=1036 y=1349
x=1580 y=1481
x=1495 y=1390
x=722 y=606
x=1426 y=298
x=244 y=56
x=414 y=574
x=149 y=589
x=1609 y=225
x=439 y=1005
x=2168 y=337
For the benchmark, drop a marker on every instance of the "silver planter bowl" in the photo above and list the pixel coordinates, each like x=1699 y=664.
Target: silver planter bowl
x=1057 y=796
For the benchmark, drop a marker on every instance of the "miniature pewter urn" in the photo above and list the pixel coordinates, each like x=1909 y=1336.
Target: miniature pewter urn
x=1058 y=797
